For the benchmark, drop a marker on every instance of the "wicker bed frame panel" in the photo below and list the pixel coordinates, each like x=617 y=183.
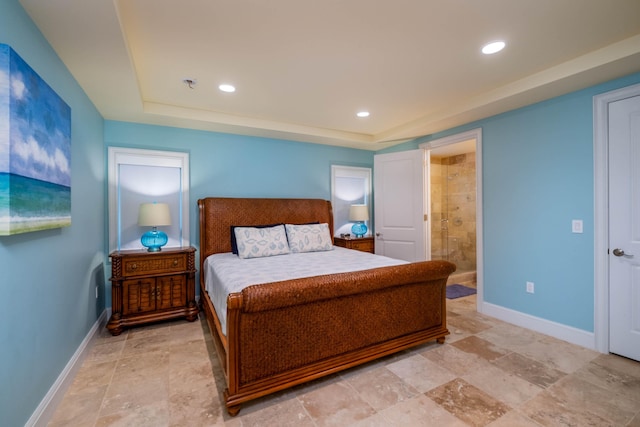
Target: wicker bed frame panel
x=369 y=306
x=285 y=333
x=217 y=215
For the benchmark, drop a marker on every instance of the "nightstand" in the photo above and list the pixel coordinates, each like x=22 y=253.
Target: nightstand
x=364 y=244
x=152 y=286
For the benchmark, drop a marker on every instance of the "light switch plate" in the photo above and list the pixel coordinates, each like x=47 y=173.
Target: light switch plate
x=576 y=226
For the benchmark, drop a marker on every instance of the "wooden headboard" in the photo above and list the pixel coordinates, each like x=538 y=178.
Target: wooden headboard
x=218 y=214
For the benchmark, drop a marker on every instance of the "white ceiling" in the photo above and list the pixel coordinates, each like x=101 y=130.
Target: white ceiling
x=303 y=68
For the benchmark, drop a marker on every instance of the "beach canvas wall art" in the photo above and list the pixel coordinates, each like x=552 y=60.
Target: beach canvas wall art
x=35 y=150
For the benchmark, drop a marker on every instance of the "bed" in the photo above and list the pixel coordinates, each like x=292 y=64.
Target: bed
x=279 y=334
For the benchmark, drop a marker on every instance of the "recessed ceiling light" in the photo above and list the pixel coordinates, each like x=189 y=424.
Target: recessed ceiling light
x=493 y=47
x=363 y=114
x=227 y=88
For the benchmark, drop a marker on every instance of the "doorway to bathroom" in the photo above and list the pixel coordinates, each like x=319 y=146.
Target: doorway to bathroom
x=453 y=204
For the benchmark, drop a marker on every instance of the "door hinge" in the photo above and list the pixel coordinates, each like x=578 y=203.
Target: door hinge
x=426 y=217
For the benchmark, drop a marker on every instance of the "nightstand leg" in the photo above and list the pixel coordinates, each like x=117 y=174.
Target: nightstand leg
x=114 y=326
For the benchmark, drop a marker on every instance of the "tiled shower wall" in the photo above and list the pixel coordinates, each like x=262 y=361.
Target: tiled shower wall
x=453 y=210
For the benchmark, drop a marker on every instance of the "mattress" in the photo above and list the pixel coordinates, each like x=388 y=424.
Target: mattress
x=226 y=273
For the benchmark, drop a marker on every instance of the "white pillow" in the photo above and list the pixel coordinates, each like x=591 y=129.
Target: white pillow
x=261 y=242
x=309 y=237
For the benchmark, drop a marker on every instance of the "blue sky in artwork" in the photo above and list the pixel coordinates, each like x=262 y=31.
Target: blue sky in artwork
x=39 y=124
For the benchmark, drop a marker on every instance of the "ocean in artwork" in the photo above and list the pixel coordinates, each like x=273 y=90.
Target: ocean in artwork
x=35 y=150
x=35 y=205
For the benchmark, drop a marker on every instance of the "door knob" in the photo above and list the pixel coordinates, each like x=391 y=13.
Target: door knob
x=620 y=252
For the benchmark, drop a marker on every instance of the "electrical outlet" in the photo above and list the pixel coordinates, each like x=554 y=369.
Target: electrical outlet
x=530 y=287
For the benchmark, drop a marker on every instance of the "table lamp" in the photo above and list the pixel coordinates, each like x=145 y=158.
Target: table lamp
x=154 y=215
x=359 y=214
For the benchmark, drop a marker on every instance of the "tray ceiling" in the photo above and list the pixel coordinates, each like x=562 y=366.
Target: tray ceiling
x=303 y=69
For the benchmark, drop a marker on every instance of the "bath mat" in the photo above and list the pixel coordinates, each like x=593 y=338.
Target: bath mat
x=457 y=291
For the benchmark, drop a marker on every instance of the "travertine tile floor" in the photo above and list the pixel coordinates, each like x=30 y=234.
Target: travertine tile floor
x=488 y=373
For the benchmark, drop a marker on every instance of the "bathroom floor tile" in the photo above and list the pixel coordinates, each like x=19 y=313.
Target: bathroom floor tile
x=529 y=369
x=468 y=402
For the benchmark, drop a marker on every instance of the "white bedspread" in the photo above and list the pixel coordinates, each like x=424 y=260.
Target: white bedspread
x=226 y=273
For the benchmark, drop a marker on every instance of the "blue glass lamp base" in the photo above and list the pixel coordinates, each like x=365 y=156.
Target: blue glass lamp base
x=154 y=240
x=359 y=229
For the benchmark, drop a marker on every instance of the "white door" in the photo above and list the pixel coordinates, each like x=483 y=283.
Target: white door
x=624 y=227
x=399 y=183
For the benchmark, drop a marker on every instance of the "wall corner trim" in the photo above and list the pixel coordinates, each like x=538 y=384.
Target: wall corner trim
x=557 y=330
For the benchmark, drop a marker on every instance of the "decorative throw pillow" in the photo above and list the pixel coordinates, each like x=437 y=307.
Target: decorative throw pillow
x=256 y=242
x=234 y=244
x=309 y=237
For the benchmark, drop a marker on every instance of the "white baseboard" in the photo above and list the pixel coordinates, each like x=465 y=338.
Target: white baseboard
x=43 y=413
x=547 y=327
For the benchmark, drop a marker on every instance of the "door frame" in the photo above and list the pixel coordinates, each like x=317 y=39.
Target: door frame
x=453 y=139
x=601 y=211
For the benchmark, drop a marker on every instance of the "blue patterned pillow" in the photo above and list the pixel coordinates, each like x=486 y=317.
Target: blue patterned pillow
x=309 y=237
x=234 y=244
x=256 y=242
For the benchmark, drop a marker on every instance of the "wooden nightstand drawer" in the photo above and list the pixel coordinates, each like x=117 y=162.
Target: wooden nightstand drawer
x=364 y=244
x=139 y=266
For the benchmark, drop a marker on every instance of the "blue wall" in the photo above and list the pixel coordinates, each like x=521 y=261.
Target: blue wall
x=48 y=278
x=537 y=177
x=225 y=165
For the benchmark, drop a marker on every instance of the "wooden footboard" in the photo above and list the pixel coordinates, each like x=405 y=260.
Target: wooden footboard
x=286 y=333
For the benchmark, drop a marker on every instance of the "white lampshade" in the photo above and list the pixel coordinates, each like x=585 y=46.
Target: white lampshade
x=154 y=214
x=359 y=213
